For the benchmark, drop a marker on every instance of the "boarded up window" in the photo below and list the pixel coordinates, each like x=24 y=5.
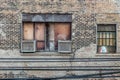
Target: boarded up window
x=47 y=34
x=106 y=38
x=40 y=35
x=55 y=32
x=62 y=32
x=28 y=31
x=44 y=30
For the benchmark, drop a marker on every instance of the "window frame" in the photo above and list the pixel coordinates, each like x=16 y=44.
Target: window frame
x=44 y=35
x=116 y=32
x=22 y=29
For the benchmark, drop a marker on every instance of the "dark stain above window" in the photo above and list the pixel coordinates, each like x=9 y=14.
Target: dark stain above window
x=27 y=17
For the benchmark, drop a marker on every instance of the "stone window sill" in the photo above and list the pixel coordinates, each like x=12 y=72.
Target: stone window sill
x=46 y=54
x=107 y=54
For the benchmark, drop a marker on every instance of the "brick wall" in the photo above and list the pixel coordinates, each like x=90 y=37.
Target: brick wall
x=82 y=13
x=85 y=16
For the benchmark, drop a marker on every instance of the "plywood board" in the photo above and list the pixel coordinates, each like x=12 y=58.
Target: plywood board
x=40 y=45
x=28 y=31
x=40 y=35
x=40 y=31
x=62 y=32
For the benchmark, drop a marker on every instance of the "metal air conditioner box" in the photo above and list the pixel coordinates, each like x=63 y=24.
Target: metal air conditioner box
x=64 y=46
x=28 y=46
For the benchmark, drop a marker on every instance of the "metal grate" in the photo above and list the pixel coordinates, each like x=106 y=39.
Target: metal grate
x=64 y=46
x=28 y=46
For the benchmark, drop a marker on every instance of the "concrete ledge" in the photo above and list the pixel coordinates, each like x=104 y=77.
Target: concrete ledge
x=108 y=54
x=46 y=54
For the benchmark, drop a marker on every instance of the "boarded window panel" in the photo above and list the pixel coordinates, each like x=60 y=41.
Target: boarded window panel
x=40 y=35
x=40 y=45
x=39 y=31
x=62 y=32
x=28 y=31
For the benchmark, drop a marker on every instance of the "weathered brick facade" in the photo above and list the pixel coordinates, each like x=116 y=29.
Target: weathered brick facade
x=83 y=19
x=86 y=14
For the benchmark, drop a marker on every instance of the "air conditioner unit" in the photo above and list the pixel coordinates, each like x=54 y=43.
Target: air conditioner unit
x=64 y=46
x=28 y=46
